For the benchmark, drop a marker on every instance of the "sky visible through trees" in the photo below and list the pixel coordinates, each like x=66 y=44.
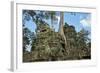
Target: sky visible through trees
x=56 y=35
x=78 y=19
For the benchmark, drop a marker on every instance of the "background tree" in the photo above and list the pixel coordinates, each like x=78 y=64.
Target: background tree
x=52 y=16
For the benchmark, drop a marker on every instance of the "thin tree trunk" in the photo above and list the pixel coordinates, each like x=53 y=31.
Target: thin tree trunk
x=61 y=31
x=52 y=22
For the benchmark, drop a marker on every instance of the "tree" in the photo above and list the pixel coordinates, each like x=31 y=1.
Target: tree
x=52 y=16
x=70 y=34
x=82 y=41
x=36 y=15
x=61 y=30
x=27 y=37
x=78 y=43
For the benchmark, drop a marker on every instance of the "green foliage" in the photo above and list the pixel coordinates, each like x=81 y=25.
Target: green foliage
x=77 y=42
x=48 y=45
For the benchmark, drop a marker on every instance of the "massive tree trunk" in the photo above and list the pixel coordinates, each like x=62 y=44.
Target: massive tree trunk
x=61 y=30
